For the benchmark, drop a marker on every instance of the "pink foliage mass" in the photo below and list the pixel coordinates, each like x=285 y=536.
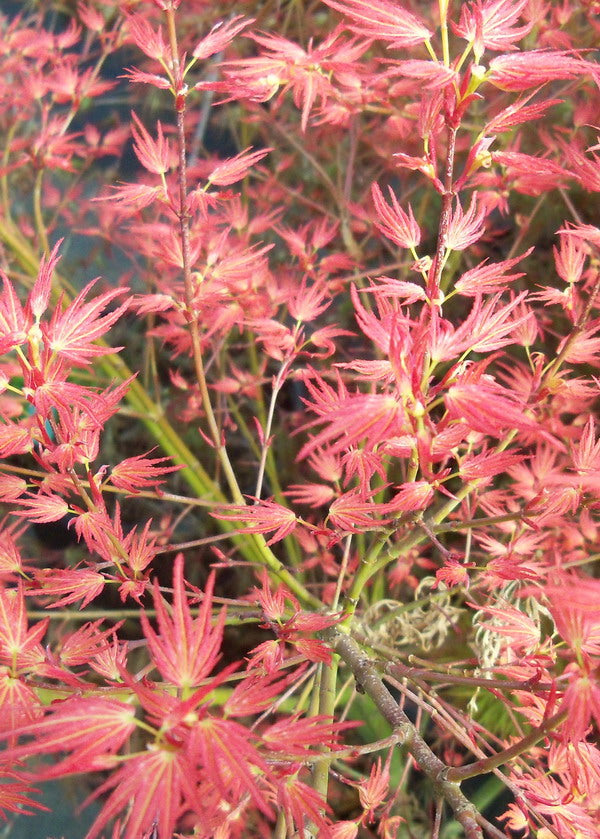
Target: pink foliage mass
x=320 y=439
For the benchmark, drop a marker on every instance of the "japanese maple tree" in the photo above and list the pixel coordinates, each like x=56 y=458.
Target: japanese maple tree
x=300 y=337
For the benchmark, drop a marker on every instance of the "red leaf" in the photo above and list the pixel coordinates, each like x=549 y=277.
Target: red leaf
x=43 y=508
x=261 y=518
x=19 y=645
x=71 y=333
x=91 y=728
x=520 y=71
x=383 y=20
x=220 y=36
x=294 y=735
x=184 y=650
x=73 y=583
x=397 y=225
x=235 y=168
x=152 y=787
x=136 y=473
x=154 y=155
x=13 y=797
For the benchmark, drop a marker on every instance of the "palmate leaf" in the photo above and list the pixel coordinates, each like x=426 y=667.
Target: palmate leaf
x=20 y=706
x=383 y=20
x=220 y=36
x=296 y=735
x=394 y=222
x=370 y=417
x=71 y=333
x=91 y=728
x=489 y=276
x=154 y=155
x=492 y=24
x=43 y=508
x=231 y=760
x=487 y=407
x=184 y=650
x=262 y=517
x=155 y=786
x=19 y=644
x=140 y=472
x=73 y=583
x=14 y=796
x=524 y=70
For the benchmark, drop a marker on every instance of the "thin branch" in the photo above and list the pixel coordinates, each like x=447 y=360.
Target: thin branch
x=486 y=764
x=416 y=674
x=368 y=678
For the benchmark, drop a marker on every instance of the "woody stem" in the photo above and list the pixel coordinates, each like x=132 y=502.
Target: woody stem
x=368 y=678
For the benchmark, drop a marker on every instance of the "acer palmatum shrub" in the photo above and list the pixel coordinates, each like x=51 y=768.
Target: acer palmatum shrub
x=334 y=501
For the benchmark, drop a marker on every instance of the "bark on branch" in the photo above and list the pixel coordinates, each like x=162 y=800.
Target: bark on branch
x=367 y=677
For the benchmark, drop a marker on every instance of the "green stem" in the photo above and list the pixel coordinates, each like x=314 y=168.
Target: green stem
x=38 y=214
x=6 y=202
x=362 y=576
x=327 y=695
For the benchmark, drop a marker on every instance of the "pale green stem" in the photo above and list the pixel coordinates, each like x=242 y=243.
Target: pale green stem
x=327 y=696
x=277 y=385
x=4 y=179
x=38 y=213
